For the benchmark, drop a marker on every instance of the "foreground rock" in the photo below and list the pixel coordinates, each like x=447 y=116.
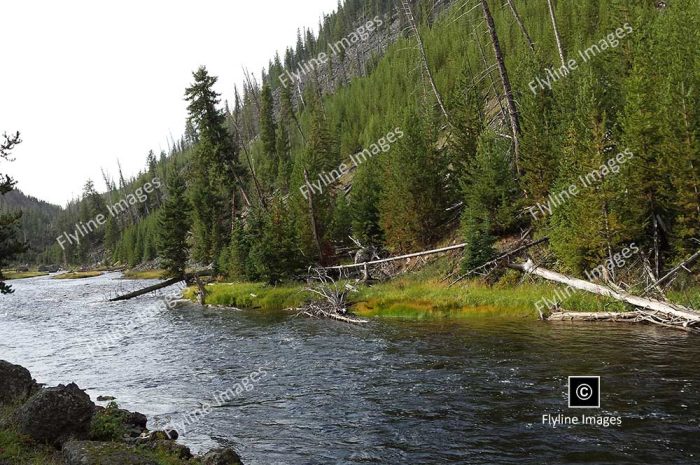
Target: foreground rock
x=103 y=453
x=64 y=417
x=56 y=414
x=221 y=457
x=16 y=383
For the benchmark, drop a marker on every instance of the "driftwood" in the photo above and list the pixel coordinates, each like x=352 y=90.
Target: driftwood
x=334 y=298
x=653 y=311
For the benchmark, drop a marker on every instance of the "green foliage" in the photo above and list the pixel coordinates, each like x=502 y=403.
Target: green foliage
x=413 y=198
x=173 y=225
x=108 y=424
x=489 y=199
x=10 y=243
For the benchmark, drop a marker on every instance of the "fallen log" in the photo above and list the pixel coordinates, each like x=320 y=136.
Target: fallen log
x=651 y=310
x=148 y=289
x=632 y=317
x=161 y=285
x=689 y=261
x=498 y=259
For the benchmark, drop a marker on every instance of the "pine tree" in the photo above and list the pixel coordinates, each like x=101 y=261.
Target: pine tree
x=10 y=244
x=413 y=200
x=173 y=225
x=214 y=164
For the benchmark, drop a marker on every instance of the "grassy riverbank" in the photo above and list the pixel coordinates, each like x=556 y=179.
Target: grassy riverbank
x=147 y=274
x=414 y=297
x=22 y=274
x=79 y=275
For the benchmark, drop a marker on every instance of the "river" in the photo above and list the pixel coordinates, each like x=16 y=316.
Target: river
x=393 y=392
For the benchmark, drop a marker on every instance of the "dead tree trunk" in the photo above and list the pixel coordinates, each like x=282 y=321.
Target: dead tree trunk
x=521 y=25
x=424 y=59
x=653 y=310
x=202 y=291
x=689 y=261
x=314 y=224
x=560 y=49
x=507 y=90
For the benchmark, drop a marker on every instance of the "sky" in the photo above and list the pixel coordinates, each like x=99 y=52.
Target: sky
x=88 y=83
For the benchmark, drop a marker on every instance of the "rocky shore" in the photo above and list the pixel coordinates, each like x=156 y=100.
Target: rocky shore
x=61 y=426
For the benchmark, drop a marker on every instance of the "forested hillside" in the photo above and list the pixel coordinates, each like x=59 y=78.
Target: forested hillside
x=578 y=122
x=38 y=222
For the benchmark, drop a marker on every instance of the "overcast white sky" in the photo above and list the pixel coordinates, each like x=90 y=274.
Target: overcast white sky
x=90 y=82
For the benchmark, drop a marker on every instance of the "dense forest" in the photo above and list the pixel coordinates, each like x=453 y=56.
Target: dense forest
x=476 y=121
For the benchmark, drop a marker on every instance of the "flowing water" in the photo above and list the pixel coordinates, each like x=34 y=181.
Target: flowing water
x=393 y=392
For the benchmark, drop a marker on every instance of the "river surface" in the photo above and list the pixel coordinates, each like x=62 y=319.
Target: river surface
x=392 y=392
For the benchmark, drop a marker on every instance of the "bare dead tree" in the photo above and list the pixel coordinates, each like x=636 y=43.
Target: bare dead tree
x=521 y=25
x=333 y=300
x=507 y=89
x=560 y=49
x=314 y=223
x=408 y=13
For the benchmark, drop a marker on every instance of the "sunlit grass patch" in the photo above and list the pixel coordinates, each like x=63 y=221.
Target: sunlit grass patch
x=252 y=295
x=78 y=275
x=22 y=274
x=148 y=274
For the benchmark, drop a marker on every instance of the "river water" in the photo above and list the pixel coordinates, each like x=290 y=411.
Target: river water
x=393 y=392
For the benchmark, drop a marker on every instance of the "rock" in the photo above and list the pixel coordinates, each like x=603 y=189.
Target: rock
x=103 y=453
x=170 y=435
x=56 y=414
x=221 y=457
x=16 y=383
x=171 y=447
x=105 y=398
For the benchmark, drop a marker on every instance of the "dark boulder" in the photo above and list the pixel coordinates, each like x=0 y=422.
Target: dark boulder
x=172 y=448
x=221 y=457
x=56 y=414
x=16 y=383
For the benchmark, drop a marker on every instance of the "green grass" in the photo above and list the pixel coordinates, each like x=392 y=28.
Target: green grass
x=78 y=275
x=252 y=295
x=148 y=274
x=410 y=297
x=416 y=297
x=22 y=274
x=21 y=450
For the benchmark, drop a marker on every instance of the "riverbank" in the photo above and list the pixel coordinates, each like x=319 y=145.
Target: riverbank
x=9 y=275
x=412 y=297
x=78 y=275
x=426 y=294
x=62 y=426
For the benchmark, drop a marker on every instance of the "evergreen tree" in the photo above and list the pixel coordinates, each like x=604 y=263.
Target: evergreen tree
x=10 y=244
x=214 y=163
x=413 y=200
x=173 y=225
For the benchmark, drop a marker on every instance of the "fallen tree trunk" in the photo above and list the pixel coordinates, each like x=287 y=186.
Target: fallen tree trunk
x=160 y=285
x=651 y=310
x=632 y=317
x=689 y=261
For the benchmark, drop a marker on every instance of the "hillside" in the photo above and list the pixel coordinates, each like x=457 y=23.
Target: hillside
x=492 y=145
x=38 y=223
